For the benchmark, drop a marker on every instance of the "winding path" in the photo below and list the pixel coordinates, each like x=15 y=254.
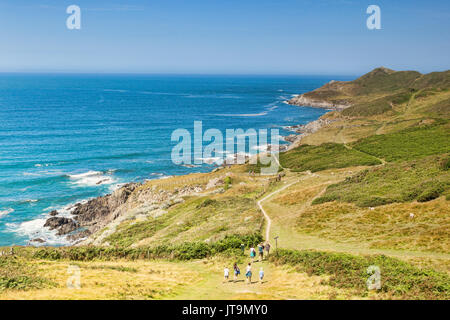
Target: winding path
x=266 y=216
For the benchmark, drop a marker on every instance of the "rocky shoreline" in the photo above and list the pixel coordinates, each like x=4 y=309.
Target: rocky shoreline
x=303 y=130
x=126 y=203
x=302 y=100
x=89 y=217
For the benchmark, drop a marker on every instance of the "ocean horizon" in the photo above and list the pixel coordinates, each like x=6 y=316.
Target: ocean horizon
x=66 y=138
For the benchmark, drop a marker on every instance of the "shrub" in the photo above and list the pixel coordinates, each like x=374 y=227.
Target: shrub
x=421 y=180
x=347 y=271
x=185 y=251
x=325 y=156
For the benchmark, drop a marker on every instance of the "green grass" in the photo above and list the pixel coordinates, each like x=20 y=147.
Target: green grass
x=408 y=144
x=132 y=232
x=15 y=275
x=441 y=108
x=325 y=156
x=380 y=81
x=377 y=106
x=197 y=219
x=385 y=227
x=398 y=279
x=438 y=80
x=420 y=180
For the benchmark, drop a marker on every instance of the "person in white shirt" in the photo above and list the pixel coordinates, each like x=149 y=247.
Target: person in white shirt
x=226 y=274
x=248 y=274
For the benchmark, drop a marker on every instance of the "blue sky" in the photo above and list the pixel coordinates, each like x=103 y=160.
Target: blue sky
x=226 y=36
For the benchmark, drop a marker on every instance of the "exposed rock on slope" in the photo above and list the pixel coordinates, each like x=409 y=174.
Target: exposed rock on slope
x=304 y=100
x=128 y=202
x=92 y=215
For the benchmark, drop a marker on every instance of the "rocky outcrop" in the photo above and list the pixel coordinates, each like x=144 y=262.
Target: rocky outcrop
x=310 y=127
x=38 y=240
x=213 y=183
x=126 y=203
x=99 y=209
x=302 y=100
x=63 y=225
x=90 y=216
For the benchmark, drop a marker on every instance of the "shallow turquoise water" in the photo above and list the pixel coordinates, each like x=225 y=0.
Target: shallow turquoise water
x=67 y=138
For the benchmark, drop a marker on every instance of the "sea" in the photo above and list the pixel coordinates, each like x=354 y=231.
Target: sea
x=67 y=138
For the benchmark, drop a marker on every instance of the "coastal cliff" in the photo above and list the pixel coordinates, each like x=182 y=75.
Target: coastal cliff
x=91 y=216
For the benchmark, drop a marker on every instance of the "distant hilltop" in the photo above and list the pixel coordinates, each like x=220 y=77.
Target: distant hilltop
x=372 y=93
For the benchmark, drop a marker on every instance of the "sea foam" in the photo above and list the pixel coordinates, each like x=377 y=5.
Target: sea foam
x=4 y=212
x=91 y=179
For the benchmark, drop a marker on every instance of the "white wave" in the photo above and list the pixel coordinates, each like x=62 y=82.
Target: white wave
x=218 y=96
x=34 y=229
x=91 y=178
x=115 y=90
x=28 y=201
x=116 y=186
x=4 y=212
x=38 y=165
x=31 y=174
x=64 y=211
x=243 y=114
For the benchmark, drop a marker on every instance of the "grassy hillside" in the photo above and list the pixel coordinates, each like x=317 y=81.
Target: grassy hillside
x=412 y=143
x=325 y=156
x=205 y=215
x=421 y=180
x=384 y=227
x=400 y=279
x=203 y=218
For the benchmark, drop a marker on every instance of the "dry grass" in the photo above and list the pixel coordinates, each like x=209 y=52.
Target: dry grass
x=297 y=197
x=201 y=279
x=109 y=280
x=388 y=226
x=280 y=282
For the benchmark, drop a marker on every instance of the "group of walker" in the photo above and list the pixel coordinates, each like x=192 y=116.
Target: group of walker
x=248 y=272
x=237 y=272
x=261 y=248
